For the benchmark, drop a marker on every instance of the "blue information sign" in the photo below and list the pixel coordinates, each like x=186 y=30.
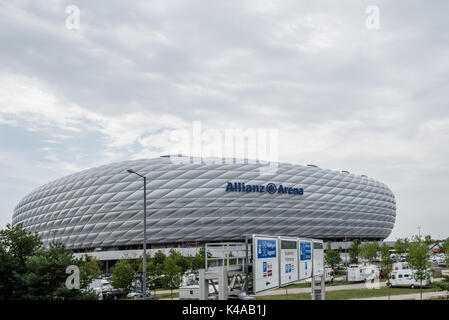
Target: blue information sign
x=266 y=249
x=305 y=251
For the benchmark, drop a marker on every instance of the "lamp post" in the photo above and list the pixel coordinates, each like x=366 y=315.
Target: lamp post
x=144 y=256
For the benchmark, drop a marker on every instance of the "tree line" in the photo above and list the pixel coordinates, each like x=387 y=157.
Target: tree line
x=163 y=271
x=29 y=271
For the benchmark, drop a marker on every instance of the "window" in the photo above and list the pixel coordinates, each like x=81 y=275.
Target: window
x=406 y=275
x=400 y=276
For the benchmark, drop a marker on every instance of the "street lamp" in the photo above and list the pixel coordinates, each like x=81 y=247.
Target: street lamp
x=144 y=256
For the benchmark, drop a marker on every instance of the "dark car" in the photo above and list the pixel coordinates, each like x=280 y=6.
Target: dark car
x=113 y=294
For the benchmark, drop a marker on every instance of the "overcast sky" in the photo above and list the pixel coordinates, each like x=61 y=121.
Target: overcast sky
x=343 y=95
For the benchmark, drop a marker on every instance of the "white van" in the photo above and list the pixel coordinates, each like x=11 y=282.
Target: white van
x=328 y=277
x=360 y=273
x=405 y=278
x=400 y=266
x=192 y=292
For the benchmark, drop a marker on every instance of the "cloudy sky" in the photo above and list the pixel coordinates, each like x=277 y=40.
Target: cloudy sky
x=342 y=93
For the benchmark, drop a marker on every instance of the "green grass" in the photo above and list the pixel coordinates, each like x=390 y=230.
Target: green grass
x=297 y=285
x=350 y=294
x=167 y=295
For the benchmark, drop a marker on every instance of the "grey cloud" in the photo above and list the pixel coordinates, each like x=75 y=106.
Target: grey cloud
x=368 y=99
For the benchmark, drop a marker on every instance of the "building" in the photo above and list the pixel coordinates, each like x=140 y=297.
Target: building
x=191 y=201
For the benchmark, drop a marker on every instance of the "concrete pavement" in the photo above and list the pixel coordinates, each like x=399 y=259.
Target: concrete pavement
x=332 y=288
x=411 y=296
x=309 y=289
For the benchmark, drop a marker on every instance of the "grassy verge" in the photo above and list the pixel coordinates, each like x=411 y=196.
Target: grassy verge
x=167 y=295
x=351 y=294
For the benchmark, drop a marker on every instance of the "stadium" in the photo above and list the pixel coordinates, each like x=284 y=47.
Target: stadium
x=191 y=201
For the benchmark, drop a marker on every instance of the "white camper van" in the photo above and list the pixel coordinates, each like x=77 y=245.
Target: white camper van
x=405 y=278
x=360 y=273
x=192 y=292
x=328 y=277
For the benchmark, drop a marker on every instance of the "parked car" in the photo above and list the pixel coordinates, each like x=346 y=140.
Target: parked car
x=240 y=296
x=405 y=278
x=139 y=295
x=113 y=294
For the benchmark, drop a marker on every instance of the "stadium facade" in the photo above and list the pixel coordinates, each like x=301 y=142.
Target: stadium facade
x=191 y=201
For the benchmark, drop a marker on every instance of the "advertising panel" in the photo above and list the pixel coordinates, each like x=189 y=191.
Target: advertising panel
x=288 y=258
x=265 y=263
x=305 y=259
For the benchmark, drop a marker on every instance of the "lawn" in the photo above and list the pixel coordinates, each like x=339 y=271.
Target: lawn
x=351 y=294
x=167 y=295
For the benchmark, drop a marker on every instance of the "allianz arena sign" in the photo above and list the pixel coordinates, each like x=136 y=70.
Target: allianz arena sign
x=270 y=188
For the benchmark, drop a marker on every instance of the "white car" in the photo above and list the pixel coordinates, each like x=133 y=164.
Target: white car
x=137 y=295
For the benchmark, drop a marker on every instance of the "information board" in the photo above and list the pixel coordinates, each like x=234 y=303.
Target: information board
x=318 y=257
x=288 y=260
x=305 y=259
x=266 y=263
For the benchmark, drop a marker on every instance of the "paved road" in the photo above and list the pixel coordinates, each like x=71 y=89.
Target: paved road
x=411 y=296
x=309 y=289
x=332 y=288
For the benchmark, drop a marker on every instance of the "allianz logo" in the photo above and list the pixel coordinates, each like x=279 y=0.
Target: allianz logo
x=269 y=187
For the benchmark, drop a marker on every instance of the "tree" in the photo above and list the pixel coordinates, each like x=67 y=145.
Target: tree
x=428 y=240
x=417 y=258
x=332 y=257
x=123 y=276
x=444 y=248
x=30 y=271
x=354 y=250
x=386 y=263
x=401 y=246
x=369 y=250
x=179 y=259
x=444 y=285
x=159 y=257
x=172 y=274
x=158 y=262
x=90 y=268
x=154 y=272
x=198 y=261
x=45 y=278
x=16 y=246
